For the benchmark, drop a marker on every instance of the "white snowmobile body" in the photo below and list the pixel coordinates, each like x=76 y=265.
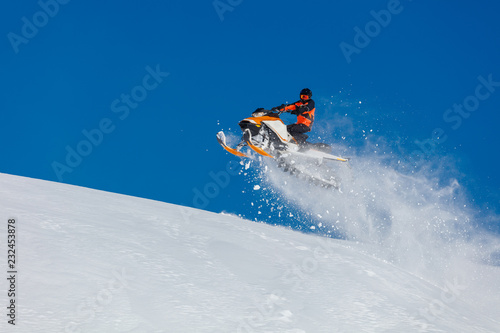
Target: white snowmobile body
x=269 y=133
x=266 y=134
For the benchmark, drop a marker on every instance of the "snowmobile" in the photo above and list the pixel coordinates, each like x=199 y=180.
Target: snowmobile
x=266 y=134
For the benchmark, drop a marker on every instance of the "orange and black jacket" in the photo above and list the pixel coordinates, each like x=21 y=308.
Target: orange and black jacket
x=304 y=111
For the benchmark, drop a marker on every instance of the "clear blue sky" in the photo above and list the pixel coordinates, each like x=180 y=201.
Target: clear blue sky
x=160 y=78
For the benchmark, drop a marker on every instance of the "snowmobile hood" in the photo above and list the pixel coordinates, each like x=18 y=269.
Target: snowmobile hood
x=259 y=120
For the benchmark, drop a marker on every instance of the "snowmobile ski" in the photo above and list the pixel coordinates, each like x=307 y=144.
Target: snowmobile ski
x=222 y=141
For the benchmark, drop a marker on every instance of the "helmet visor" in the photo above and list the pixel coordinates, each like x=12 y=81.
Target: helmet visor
x=304 y=97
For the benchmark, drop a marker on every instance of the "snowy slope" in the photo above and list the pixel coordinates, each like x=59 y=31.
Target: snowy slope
x=91 y=261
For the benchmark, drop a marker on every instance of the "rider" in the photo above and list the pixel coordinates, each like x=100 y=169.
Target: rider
x=304 y=109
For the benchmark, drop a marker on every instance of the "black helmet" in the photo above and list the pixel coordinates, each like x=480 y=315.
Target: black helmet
x=307 y=92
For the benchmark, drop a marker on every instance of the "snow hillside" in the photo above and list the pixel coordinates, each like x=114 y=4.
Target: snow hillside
x=91 y=261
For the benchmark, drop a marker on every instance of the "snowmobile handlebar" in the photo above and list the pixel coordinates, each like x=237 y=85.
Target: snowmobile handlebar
x=263 y=112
